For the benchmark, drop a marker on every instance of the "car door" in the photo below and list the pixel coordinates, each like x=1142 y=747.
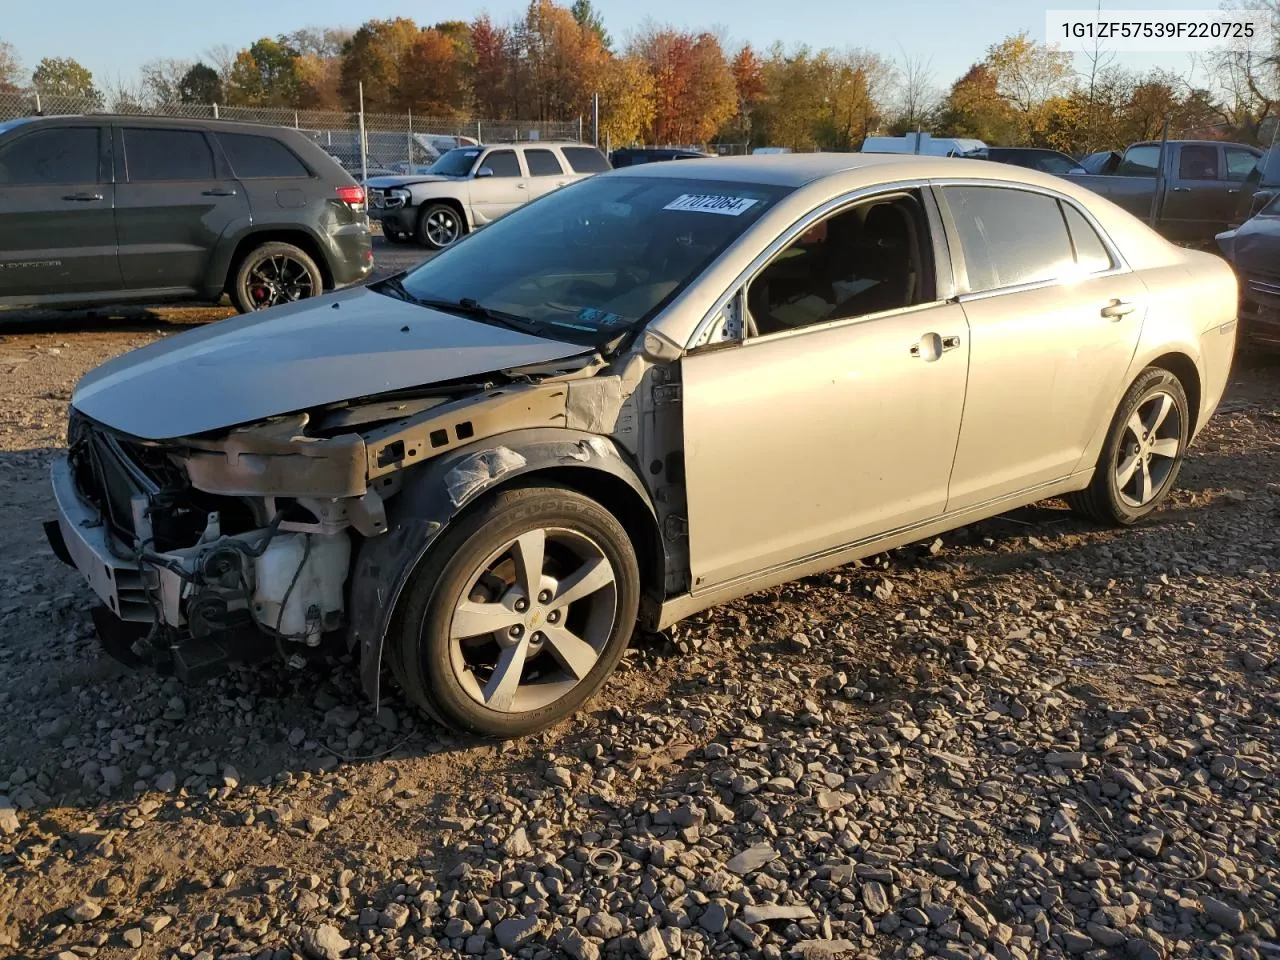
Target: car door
x=57 y=211
x=1054 y=319
x=546 y=172
x=174 y=201
x=1239 y=163
x=1196 y=200
x=824 y=427
x=500 y=185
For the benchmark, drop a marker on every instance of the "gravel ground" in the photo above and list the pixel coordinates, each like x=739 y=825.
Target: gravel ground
x=1029 y=738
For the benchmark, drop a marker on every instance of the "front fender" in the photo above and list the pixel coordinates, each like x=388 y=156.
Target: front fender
x=435 y=493
x=453 y=193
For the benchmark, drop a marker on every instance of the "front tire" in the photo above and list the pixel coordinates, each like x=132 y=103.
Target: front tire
x=395 y=236
x=440 y=226
x=1143 y=452
x=518 y=614
x=273 y=274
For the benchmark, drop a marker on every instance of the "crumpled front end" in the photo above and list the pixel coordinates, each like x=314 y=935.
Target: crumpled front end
x=186 y=568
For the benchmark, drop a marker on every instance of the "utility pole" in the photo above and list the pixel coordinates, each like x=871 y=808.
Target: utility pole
x=1158 y=196
x=364 y=160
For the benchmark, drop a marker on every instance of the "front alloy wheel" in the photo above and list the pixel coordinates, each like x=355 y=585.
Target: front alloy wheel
x=440 y=226
x=519 y=613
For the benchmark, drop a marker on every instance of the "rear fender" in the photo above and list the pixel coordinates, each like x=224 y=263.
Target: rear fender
x=437 y=492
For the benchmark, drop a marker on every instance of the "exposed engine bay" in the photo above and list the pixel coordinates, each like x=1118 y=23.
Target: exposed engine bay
x=256 y=530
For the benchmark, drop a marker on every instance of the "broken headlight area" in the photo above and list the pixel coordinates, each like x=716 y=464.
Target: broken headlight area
x=189 y=567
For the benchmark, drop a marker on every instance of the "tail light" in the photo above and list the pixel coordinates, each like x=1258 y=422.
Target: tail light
x=352 y=196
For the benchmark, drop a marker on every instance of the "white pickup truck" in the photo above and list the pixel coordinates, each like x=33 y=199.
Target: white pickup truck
x=474 y=185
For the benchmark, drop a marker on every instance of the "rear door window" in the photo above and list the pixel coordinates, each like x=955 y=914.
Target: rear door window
x=1240 y=163
x=58 y=155
x=585 y=159
x=543 y=163
x=154 y=154
x=1198 y=162
x=253 y=157
x=1009 y=237
x=503 y=163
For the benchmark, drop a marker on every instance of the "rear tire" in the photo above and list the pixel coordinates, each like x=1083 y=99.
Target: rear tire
x=272 y=274
x=1143 y=452
x=396 y=237
x=480 y=652
x=440 y=226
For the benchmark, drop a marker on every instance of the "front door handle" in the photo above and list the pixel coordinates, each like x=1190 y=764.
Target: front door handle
x=932 y=345
x=83 y=197
x=1235 y=190
x=1117 y=309
x=522 y=186
x=220 y=192
x=1181 y=189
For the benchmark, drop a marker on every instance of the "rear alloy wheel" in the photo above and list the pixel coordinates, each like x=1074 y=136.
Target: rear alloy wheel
x=1143 y=452
x=440 y=226
x=519 y=614
x=274 y=274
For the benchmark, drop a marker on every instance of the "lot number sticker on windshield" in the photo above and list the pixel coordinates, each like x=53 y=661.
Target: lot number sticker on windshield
x=700 y=203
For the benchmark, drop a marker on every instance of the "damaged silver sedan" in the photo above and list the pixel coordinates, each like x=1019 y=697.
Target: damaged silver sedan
x=640 y=396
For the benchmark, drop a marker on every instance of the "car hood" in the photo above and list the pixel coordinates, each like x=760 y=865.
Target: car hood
x=406 y=180
x=1255 y=246
x=351 y=344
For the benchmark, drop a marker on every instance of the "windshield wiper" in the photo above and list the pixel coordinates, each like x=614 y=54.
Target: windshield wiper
x=469 y=307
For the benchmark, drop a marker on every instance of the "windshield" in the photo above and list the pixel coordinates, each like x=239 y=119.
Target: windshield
x=594 y=259
x=455 y=163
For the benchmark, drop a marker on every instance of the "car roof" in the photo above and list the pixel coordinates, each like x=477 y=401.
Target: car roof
x=799 y=169
x=153 y=120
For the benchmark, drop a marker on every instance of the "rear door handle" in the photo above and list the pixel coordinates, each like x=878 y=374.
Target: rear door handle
x=1234 y=190
x=1117 y=309
x=1181 y=189
x=220 y=192
x=83 y=197
x=522 y=186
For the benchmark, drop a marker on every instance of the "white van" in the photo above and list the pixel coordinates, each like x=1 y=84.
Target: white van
x=926 y=145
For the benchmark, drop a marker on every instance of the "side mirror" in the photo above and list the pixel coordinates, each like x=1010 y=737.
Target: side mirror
x=484 y=172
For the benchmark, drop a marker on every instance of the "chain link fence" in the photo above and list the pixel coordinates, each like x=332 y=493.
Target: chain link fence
x=393 y=142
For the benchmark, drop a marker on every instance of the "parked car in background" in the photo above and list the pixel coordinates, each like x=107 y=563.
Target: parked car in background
x=484 y=472
x=1260 y=186
x=925 y=144
x=469 y=187
x=1103 y=161
x=630 y=156
x=1035 y=158
x=1202 y=186
x=112 y=209
x=1253 y=248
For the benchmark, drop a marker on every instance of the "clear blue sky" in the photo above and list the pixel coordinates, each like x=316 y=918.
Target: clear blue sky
x=950 y=34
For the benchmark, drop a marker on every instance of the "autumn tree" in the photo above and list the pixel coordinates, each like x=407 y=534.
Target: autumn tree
x=10 y=67
x=431 y=77
x=975 y=108
x=264 y=75
x=748 y=83
x=64 y=77
x=588 y=17
x=626 y=101
x=372 y=57
x=491 y=68
x=694 y=88
x=200 y=84
x=559 y=63
x=1028 y=75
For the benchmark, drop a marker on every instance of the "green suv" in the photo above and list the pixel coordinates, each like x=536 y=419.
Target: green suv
x=116 y=209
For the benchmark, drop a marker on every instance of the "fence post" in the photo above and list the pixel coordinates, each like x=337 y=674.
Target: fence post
x=479 y=139
x=364 y=160
x=1157 y=198
x=295 y=119
x=409 y=143
x=215 y=111
x=595 y=120
x=38 y=110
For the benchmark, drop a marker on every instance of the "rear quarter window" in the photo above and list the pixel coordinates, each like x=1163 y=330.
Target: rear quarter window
x=255 y=157
x=585 y=159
